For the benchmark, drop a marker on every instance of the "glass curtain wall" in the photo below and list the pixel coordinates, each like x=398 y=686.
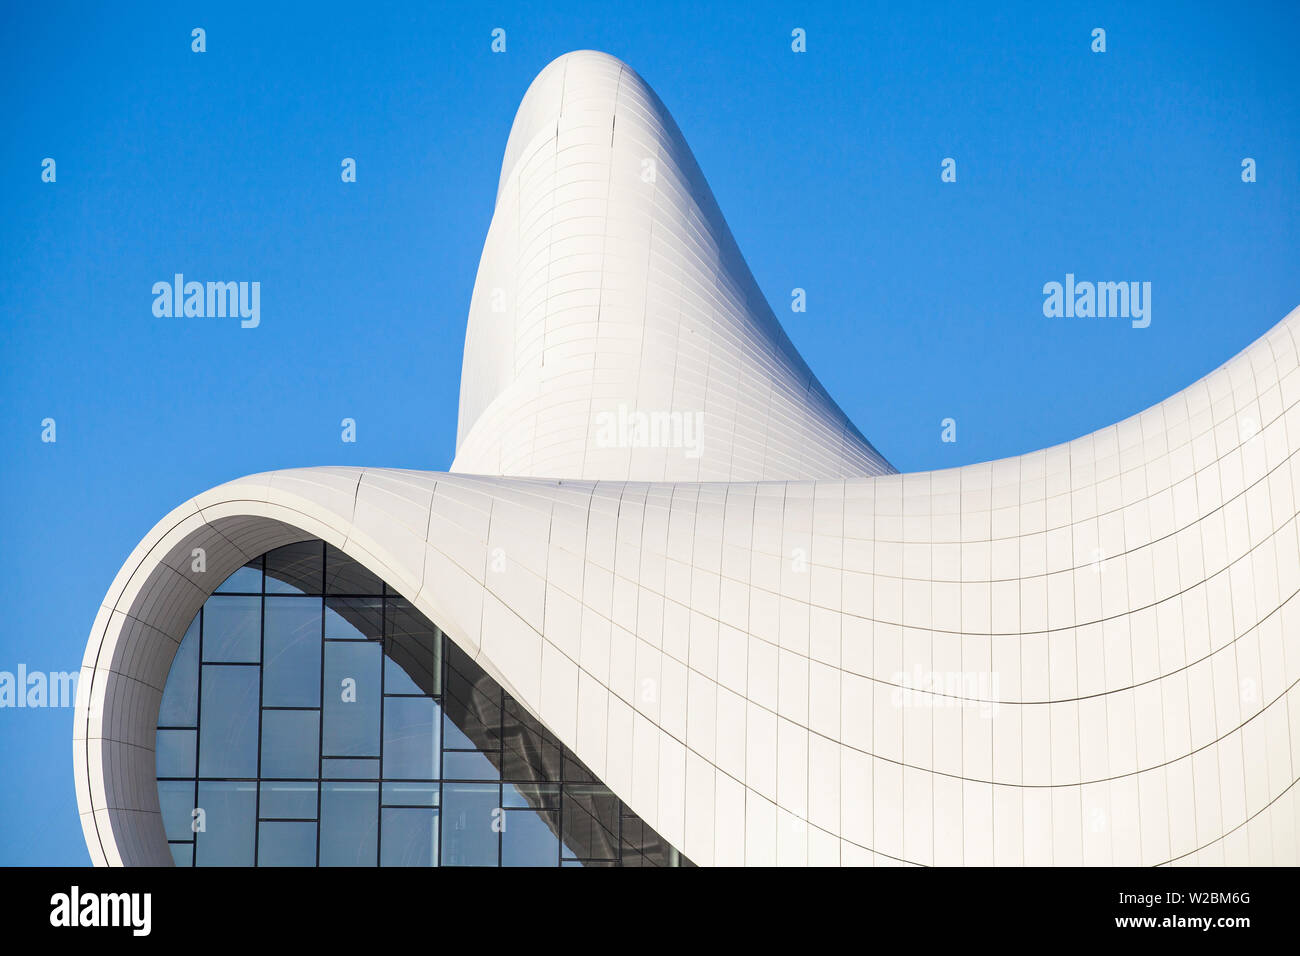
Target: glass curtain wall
x=313 y=717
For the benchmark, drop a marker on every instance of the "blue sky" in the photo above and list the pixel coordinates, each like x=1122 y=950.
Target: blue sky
x=924 y=299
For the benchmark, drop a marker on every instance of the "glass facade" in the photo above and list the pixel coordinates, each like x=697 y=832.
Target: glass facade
x=313 y=717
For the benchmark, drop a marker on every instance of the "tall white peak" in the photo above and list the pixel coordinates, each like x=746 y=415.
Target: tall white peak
x=615 y=330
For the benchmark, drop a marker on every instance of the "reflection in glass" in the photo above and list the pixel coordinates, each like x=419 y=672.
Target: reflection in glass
x=286 y=843
x=229 y=814
x=354 y=619
x=246 y=580
x=410 y=738
x=471 y=702
x=291 y=652
x=349 y=824
x=470 y=824
x=414 y=651
x=180 y=701
x=545 y=795
x=411 y=794
x=352 y=697
x=410 y=837
x=176 y=799
x=350 y=768
x=290 y=743
x=175 y=751
x=232 y=628
x=287 y=800
x=228 y=721
x=377 y=740
x=642 y=846
x=296 y=569
x=346 y=576
x=530 y=752
x=470 y=765
x=528 y=838
x=182 y=853
x=591 y=821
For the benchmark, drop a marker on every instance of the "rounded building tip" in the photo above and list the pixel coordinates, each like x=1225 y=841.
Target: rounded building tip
x=600 y=196
x=580 y=66
x=595 y=55
x=591 y=77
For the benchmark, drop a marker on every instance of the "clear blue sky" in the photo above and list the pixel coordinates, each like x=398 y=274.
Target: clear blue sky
x=925 y=299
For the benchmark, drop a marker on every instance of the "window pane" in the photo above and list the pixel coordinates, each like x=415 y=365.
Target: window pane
x=228 y=735
x=180 y=700
x=247 y=579
x=290 y=743
x=468 y=765
x=345 y=576
x=411 y=794
x=591 y=822
x=175 y=752
x=472 y=703
x=295 y=801
x=469 y=837
x=286 y=844
x=349 y=768
x=182 y=853
x=349 y=824
x=414 y=649
x=530 y=796
x=291 y=669
x=530 y=753
x=352 y=699
x=230 y=821
x=530 y=838
x=232 y=628
x=354 y=619
x=295 y=569
x=176 y=799
x=410 y=738
x=642 y=846
x=575 y=771
x=410 y=838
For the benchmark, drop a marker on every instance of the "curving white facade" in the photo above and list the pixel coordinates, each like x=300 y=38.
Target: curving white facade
x=609 y=286
x=1084 y=655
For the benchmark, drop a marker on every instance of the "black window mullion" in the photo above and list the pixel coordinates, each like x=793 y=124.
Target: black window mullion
x=383 y=643
x=628 y=825
x=320 y=738
x=198 y=738
x=261 y=656
x=442 y=685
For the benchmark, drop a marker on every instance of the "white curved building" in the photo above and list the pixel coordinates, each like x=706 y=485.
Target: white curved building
x=669 y=546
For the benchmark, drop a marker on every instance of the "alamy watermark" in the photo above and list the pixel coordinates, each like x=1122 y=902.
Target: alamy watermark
x=944 y=689
x=1102 y=300
x=629 y=428
x=133 y=911
x=38 y=688
x=212 y=300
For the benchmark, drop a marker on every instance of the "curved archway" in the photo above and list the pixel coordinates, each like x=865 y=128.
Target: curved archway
x=313 y=717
